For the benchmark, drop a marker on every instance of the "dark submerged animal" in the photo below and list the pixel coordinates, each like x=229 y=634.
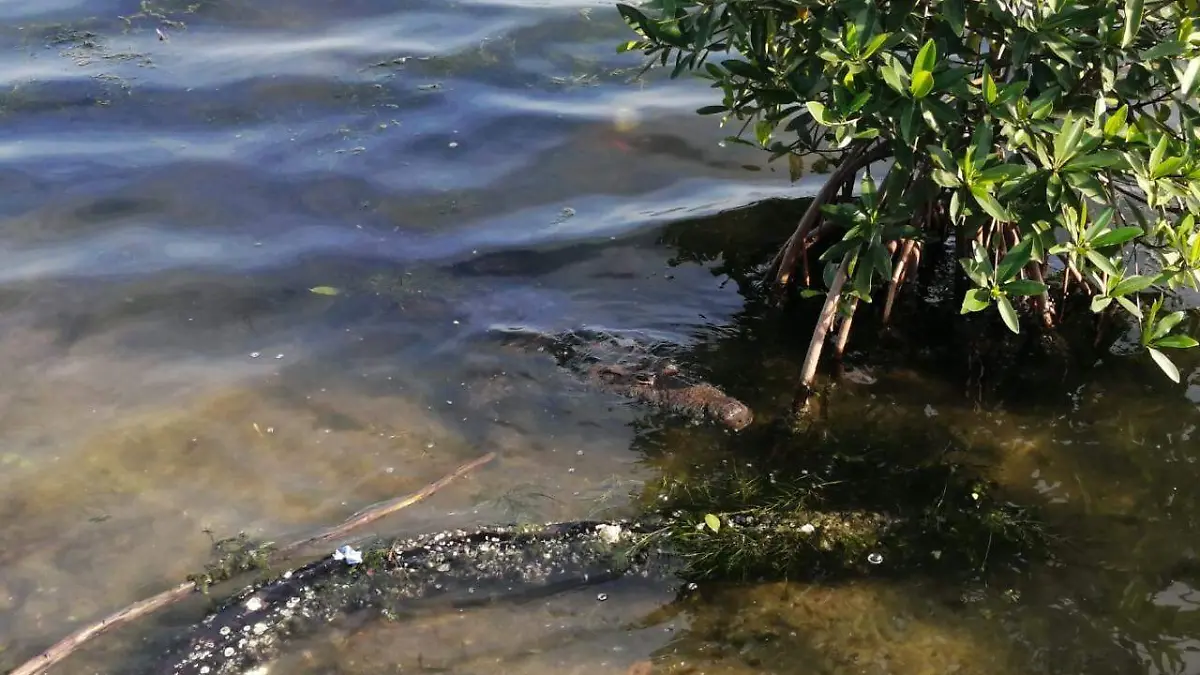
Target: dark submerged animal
x=638 y=371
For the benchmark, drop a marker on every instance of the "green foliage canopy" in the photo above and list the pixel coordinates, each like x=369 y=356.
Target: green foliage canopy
x=1055 y=141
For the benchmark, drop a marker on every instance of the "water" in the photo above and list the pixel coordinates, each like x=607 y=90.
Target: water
x=450 y=167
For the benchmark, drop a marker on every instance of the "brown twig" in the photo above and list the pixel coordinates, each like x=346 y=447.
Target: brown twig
x=68 y=645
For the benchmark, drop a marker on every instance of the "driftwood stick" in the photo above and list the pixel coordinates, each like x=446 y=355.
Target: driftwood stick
x=389 y=507
x=68 y=645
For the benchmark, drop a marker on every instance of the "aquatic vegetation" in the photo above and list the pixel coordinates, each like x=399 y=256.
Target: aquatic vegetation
x=1050 y=148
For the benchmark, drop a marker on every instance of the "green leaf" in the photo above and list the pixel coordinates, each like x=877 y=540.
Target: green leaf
x=894 y=75
x=922 y=84
x=742 y=69
x=941 y=158
x=989 y=204
x=1167 y=167
x=1188 y=81
x=1023 y=287
x=1008 y=314
x=1115 y=237
x=1096 y=160
x=1133 y=309
x=1165 y=48
x=1133 y=21
x=762 y=131
x=1164 y=325
x=1134 y=284
x=990 y=93
x=908 y=122
x=713 y=522
x=1177 y=342
x=926 y=59
x=1103 y=263
x=945 y=178
x=1100 y=303
x=955 y=12
x=1116 y=121
x=819 y=113
x=977 y=299
x=1165 y=364
x=324 y=290
x=1159 y=151
x=1001 y=173
x=1067 y=140
x=1015 y=260
x=875 y=45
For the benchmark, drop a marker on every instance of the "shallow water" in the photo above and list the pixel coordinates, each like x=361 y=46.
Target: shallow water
x=450 y=167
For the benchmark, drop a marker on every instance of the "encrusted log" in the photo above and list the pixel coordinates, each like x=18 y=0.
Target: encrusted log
x=250 y=629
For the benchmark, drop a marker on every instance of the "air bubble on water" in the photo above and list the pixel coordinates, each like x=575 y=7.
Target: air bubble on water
x=602 y=597
x=279 y=356
x=571 y=470
x=875 y=558
x=579 y=453
x=454 y=144
x=255 y=355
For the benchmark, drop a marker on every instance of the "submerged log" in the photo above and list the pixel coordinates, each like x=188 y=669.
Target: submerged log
x=250 y=630
x=467 y=568
x=636 y=370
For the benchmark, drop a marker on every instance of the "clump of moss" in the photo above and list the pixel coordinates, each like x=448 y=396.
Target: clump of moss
x=742 y=523
x=234 y=556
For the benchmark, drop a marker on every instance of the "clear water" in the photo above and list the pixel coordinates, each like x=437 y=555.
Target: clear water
x=168 y=204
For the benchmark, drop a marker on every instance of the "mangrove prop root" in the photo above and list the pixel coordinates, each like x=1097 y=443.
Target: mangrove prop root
x=839 y=347
x=898 y=274
x=785 y=261
x=808 y=371
x=68 y=645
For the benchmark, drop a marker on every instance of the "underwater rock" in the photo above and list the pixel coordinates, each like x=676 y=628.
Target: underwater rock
x=636 y=370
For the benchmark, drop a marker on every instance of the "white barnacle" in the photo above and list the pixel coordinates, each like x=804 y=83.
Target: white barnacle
x=808 y=528
x=254 y=604
x=260 y=628
x=229 y=651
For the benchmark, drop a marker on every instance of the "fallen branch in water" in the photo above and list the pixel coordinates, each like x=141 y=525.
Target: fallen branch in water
x=68 y=645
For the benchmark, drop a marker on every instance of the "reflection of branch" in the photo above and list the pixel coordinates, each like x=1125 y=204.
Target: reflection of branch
x=68 y=645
